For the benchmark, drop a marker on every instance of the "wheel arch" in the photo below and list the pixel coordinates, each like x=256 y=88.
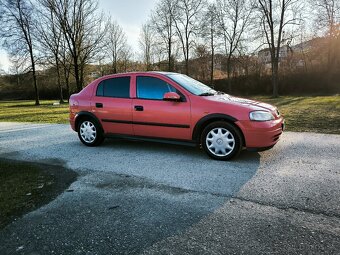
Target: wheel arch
x=206 y=120
x=86 y=115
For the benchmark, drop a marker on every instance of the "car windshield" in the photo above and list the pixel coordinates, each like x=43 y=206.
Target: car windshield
x=193 y=86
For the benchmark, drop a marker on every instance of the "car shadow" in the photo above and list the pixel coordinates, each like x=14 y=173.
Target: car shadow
x=184 y=167
x=173 y=149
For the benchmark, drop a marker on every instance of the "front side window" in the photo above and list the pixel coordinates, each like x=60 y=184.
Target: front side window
x=193 y=86
x=152 y=88
x=114 y=87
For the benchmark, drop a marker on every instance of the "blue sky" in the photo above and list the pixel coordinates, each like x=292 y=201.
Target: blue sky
x=130 y=14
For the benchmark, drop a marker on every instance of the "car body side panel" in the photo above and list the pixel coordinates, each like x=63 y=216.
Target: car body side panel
x=115 y=114
x=256 y=134
x=78 y=103
x=163 y=119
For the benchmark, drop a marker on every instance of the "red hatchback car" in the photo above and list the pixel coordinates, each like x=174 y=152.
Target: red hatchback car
x=173 y=108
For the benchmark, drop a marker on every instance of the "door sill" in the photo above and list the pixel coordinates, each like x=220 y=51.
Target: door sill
x=190 y=143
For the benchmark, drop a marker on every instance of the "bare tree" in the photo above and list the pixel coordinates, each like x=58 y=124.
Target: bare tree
x=327 y=15
x=17 y=31
x=201 y=63
x=328 y=19
x=186 y=16
x=126 y=55
x=146 y=43
x=115 y=43
x=66 y=63
x=50 y=37
x=83 y=30
x=17 y=68
x=209 y=32
x=234 y=19
x=275 y=16
x=162 y=21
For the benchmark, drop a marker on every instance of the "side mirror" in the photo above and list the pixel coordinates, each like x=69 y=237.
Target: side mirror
x=171 y=96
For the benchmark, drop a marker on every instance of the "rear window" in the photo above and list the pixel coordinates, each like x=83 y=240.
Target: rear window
x=114 y=87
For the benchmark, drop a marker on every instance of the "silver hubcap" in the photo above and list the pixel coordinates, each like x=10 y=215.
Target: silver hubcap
x=220 y=142
x=88 y=132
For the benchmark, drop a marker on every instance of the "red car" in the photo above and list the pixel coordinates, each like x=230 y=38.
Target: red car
x=173 y=108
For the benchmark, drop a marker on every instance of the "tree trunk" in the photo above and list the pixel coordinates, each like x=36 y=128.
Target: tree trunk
x=275 y=78
x=67 y=82
x=187 y=57
x=212 y=63
x=169 y=57
x=187 y=66
x=229 y=75
x=18 y=80
x=77 y=75
x=61 y=96
x=114 y=63
x=67 y=87
x=329 y=62
x=35 y=88
x=36 y=91
x=82 y=76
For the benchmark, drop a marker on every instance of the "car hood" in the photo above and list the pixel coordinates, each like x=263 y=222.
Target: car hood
x=251 y=104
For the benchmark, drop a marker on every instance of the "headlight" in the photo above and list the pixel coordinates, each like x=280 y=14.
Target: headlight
x=261 y=116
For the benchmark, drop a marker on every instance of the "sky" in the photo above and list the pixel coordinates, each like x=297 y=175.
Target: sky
x=130 y=14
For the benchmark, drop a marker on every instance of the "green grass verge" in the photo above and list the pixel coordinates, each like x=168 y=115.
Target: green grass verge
x=26 y=111
x=310 y=114
x=24 y=187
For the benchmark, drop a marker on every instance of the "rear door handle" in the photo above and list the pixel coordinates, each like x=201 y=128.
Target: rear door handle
x=139 y=108
x=99 y=105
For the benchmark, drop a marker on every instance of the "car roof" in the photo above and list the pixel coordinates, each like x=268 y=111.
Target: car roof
x=139 y=73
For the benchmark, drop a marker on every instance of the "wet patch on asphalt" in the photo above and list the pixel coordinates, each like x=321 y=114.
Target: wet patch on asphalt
x=33 y=184
x=110 y=213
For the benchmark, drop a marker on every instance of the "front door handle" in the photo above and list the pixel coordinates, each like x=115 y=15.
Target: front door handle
x=139 y=108
x=99 y=105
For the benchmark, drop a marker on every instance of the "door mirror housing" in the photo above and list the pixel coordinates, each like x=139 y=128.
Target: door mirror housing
x=171 y=96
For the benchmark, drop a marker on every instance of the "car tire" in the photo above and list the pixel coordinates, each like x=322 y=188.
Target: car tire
x=90 y=132
x=221 y=140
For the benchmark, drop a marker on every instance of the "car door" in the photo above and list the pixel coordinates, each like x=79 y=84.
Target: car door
x=154 y=117
x=113 y=106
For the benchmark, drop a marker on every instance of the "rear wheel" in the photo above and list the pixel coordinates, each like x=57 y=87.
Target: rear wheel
x=90 y=132
x=221 y=140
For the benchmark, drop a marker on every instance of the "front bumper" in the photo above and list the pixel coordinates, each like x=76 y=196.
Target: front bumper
x=261 y=135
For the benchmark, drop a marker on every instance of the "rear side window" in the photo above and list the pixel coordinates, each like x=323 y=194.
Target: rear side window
x=114 y=87
x=152 y=88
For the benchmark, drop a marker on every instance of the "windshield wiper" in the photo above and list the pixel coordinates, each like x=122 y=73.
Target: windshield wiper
x=207 y=94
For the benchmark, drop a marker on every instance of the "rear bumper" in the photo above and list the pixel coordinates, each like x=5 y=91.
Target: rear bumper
x=72 y=123
x=261 y=136
x=72 y=119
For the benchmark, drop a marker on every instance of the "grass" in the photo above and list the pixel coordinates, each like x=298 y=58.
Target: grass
x=308 y=113
x=24 y=187
x=319 y=114
x=26 y=111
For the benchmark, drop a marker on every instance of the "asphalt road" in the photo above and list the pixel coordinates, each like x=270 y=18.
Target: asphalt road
x=135 y=197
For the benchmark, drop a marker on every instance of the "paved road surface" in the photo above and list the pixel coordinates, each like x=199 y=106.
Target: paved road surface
x=135 y=197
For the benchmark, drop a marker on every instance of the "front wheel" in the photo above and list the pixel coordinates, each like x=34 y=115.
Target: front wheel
x=221 y=140
x=90 y=133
